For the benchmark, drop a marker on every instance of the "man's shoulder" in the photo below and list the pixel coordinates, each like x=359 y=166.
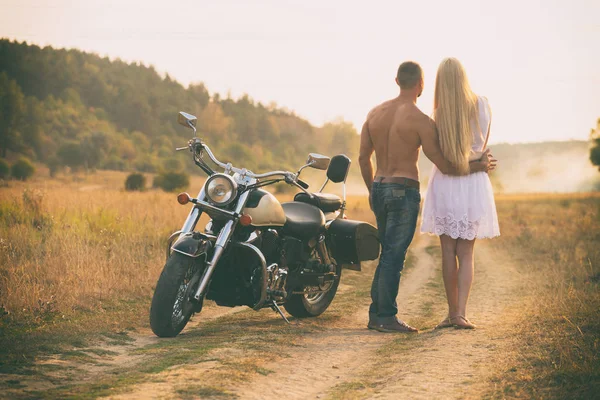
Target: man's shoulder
x=421 y=118
x=378 y=108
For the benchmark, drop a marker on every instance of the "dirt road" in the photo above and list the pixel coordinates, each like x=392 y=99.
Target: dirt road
x=239 y=353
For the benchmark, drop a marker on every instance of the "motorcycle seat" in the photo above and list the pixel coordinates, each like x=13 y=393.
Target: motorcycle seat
x=324 y=201
x=303 y=221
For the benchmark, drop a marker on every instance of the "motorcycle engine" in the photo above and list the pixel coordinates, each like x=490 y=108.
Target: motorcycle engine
x=270 y=246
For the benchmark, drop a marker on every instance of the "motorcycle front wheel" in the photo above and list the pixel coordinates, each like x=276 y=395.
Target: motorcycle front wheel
x=171 y=307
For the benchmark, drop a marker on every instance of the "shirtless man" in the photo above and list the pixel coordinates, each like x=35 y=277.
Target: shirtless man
x=396 y=130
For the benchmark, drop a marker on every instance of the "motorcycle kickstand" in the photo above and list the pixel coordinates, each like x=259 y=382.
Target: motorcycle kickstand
x=276 y=308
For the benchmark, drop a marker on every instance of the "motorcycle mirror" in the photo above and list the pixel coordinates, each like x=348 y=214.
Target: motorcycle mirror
x=187 y=120
x=318 y=161
x=183 y=198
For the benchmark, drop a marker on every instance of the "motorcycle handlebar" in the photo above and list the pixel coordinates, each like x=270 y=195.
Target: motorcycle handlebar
x=243 y=171
x=302 y=183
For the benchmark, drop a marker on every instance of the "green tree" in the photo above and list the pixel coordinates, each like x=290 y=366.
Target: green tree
x=32 y=126
x=71 y=155
x=212 y=121
x=11 y=112
x=54 y=164
x=69 y=94
x=595 y=150
x=94 y=148
x=173 y=164
x=4 y=169
x=343 y=138
x=23 y=169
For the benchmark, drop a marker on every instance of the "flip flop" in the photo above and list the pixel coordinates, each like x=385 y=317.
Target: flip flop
x=446 y=323
x=465 y=324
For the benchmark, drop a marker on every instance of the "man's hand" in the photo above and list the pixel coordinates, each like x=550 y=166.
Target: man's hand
x=492 y=162
x=486 y=163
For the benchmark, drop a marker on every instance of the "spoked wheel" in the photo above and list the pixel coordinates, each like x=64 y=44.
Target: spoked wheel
x=314 y=298
x=171 y=305
x=314 y=304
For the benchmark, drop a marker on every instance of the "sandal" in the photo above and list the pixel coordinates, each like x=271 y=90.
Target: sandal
x=446 y=323
x=461 y=322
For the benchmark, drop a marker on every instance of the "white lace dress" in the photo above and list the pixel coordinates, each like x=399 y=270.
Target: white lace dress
x=463 y=206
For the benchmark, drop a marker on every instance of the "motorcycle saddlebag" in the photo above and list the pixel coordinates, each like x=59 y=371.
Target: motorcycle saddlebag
x=352 y=242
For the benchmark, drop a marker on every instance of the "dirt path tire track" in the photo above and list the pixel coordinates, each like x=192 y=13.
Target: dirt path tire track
x=325 y=359
x=453 y=363
x=441 y=364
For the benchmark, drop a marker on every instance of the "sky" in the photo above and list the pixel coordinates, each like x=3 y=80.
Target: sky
x=538 y=62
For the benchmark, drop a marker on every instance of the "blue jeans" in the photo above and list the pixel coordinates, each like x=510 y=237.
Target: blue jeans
x=396 y=208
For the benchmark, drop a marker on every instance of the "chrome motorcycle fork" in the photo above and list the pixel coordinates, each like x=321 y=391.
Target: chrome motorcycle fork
x=193 y=216
x=220 y=245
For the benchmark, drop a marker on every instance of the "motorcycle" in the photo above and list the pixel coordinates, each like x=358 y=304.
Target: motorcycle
x=256 y=251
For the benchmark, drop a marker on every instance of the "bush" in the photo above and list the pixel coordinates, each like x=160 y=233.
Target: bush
x=54 y=164
x=22 y=169
x=4 y=169
x=135 y=181
x=171 y=181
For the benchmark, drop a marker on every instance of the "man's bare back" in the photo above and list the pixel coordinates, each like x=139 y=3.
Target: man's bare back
x=393 y=128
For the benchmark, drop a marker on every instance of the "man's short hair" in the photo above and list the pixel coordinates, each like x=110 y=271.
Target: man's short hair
x=409 y=74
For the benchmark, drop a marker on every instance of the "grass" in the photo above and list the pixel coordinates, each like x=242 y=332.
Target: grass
x=80 y=256
x=199 y=391
x=555 y=241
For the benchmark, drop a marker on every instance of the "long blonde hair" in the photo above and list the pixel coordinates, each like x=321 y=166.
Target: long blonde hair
x=454 y=108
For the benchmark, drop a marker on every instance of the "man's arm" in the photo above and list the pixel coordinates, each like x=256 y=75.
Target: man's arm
x=431 y=148
x=364 y=158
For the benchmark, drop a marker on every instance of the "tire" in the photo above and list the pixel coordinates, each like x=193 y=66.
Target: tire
x=303 y=306
x=178 y=277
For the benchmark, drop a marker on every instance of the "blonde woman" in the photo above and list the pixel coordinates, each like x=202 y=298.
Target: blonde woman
x=459 y=209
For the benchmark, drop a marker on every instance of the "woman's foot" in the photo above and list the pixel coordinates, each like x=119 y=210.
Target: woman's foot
x=446 y=323
x=461 y=322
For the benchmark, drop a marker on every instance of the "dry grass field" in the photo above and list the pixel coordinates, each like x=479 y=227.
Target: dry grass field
x=79 y=258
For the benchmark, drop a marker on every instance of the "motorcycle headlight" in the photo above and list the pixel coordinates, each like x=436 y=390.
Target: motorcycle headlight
x=220 y=189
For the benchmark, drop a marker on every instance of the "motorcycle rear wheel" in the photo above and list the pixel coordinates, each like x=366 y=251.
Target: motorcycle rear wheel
x=171 y=307
x=306 y=305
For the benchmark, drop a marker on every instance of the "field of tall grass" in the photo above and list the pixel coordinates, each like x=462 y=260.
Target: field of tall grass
x=80 y=256
x=554 y=241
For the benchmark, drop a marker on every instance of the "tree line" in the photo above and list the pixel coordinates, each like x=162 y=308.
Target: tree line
x=595 y=148
x=71 y=108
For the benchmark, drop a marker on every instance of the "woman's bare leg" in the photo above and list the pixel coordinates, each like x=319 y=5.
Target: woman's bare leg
x=464 y=251
x=450 y=273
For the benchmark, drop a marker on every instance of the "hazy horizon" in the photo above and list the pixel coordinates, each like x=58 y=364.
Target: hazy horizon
x=537 y=65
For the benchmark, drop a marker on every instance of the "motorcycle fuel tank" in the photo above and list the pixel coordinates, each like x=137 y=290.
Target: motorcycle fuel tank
x=264 y=209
